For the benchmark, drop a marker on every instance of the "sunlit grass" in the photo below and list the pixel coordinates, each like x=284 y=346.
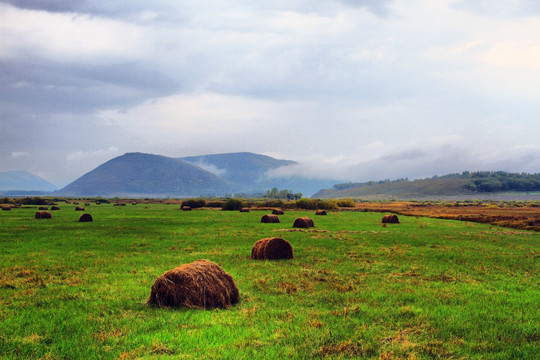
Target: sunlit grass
x=425 y=288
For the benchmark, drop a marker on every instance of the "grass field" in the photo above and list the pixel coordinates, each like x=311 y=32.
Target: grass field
x=423 y=289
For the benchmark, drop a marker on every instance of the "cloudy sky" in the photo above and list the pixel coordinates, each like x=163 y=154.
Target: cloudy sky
x=355 y=89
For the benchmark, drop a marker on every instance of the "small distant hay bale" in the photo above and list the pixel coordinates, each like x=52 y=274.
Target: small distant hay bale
x=200 y=284
x=244 y=210
x=186 y=208
x=320 y=212
x=75 y=203
x=390 y=219
x=272 y=249
x=43 y=215
x=6 y=207
x=79 y=208
x=55 y=208
x=303 y=222
x=85 y=218
x=269 y=218
x=86 y=204
x=43 y=208
x=134 y=203
x=278 y=212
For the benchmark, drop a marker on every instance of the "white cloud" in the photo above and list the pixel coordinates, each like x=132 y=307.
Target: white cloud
x=94 y=155
x=66 y=37
x=18 y=154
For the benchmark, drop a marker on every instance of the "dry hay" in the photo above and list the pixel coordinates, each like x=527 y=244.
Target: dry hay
x=186 y=208
x=390 y=219
x=86 y=204
x=43 y=215
x=78 y=208
x=6 y=207
x=278 y=212
x=303 y=222
x=200 y=284
x=272 y=248
x=43 y=208
x=85 y=218
x=269 y=218
x=244 y=210
x=320 y=212
x=55 y=208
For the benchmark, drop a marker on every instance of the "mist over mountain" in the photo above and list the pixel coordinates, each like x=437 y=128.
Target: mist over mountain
x=23 y=181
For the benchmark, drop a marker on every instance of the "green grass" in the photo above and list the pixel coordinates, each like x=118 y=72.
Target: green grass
x=424 y=289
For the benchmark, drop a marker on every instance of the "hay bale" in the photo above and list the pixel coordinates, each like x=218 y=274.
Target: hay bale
x=86 y=204
x=55 y=208
x=43 y=208
x=186 y=208
x=390 y=219
x=85 y=218
x=272 y=248
x=266 y=219
x=6 y=207
x=244 y=210
x=79 y=208
x=200 y=284
x=43 y=215
x=278 y=212
x=320 y=212
x=303 y=222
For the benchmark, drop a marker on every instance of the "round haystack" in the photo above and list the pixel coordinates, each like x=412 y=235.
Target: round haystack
x=244 y=210
x=86 y=204
x=390 y=219
x=55 y=208
x=272 y=249
x=266 y=219
x=200 y=284
x=43 y=208
x=320 y=212
x=277 y=212
x=43 y=215
x=6 y=208
x=85 y=218
x=78 y=208
x=303 y=222
x=186 y=208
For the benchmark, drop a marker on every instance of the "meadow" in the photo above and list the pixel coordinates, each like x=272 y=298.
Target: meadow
x=423 y=289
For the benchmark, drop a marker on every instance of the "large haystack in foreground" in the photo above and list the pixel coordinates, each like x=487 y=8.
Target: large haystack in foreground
x=272 y=249
x=200 y=284
x=270 y=218
x=303 y=222
x=390 y=219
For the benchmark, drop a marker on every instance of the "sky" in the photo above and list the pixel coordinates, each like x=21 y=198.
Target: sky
x=352 y=89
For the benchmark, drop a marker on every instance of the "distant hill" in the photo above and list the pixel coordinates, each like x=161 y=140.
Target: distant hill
x=248 y=172
x=408 y=189
x=146 y=175
x=466 y=183
x=23 y=181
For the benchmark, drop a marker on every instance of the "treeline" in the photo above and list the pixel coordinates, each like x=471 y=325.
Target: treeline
x=491 y=181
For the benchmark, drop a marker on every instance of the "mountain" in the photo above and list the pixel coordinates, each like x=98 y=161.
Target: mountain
x=242 y=168
x=248 y=172
x=23 y=181
x=146 y=175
